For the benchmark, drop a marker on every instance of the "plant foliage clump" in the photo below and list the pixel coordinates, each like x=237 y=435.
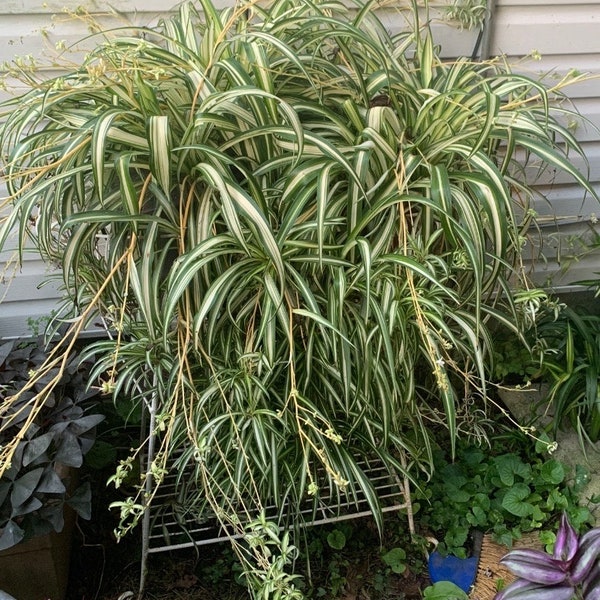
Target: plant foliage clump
x=298 y=229
x=506 y=494
x=38 y=485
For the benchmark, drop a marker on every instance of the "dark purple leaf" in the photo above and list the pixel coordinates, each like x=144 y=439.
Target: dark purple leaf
x=5 y=351
x=526 y=590
x=36 y=448
x=586 y=555
x=54 y=516
x=29 y=506
x=567 y=541
x=535 y=566
x=11 y=534
x=4 y=489
x=69 y=451
x=51 y=483
x=510 y=590
x=591 y=585
x=81 y=501
x=86 y=423
x=24 y=487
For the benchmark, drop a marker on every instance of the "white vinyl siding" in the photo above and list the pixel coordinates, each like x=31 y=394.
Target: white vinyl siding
x=567 y=36
x=34 y=28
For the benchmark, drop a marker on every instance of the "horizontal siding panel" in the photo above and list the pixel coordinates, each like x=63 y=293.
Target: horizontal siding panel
x=554 y=71
x=453 y=41
x=34 y=36
x=566 y=35
x=551 y=70
x=558 y=29
x=586 y=125
x=32 y=7
x=561 y=260
x=566 y=203
x=16 y=318
x=28 y=284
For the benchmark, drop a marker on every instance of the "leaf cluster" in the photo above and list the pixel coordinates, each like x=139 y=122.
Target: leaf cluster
x=506 y=495
x=571 y=571
x=39 y=482
x=573 y=369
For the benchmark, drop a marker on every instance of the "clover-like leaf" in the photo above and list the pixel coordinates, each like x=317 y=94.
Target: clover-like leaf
x=36 y=447
x=5 y=350
x=54 y=515
x=11 y=535
x=80 y=426
x=51 y=483
x=25 y=486
x=81 y=501
x=30 y=505
x=69 y=451
x=5 y=487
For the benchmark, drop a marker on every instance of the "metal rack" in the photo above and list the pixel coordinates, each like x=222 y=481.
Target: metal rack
x=170 y=525
x=173 y=526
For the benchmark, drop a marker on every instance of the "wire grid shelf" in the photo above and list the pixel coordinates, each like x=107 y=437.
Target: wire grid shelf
x=173 y=527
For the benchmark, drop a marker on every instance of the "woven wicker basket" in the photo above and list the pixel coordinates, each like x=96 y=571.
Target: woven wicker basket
x=489 y=570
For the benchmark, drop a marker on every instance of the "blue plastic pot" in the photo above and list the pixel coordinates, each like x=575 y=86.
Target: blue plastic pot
x=460 y=571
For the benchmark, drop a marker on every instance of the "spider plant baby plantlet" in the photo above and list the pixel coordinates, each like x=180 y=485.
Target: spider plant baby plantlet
x=572 y=572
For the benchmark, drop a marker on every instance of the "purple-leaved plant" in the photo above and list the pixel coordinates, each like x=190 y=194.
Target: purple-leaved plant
x=571 y=572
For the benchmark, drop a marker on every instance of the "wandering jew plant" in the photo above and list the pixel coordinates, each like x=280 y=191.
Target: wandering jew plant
x=572 y=572
x=299 y=230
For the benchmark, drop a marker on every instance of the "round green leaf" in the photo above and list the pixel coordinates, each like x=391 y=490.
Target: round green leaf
x=510 y=466
x=396 y=559
x=514 y=500
x=336 y=539
x=553 y=472
x=444 y=590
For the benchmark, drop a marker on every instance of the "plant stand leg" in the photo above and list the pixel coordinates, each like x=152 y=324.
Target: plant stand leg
x=152 y=408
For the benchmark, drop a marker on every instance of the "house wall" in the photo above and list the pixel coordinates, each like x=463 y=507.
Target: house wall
x=34 y=28
x=564 y=34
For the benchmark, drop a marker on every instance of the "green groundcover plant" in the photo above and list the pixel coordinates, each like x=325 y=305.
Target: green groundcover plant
x=503 y=491
x=297 y=228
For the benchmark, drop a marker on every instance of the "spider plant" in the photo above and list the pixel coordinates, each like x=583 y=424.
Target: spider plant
x=572 y=370
x=298 y=229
